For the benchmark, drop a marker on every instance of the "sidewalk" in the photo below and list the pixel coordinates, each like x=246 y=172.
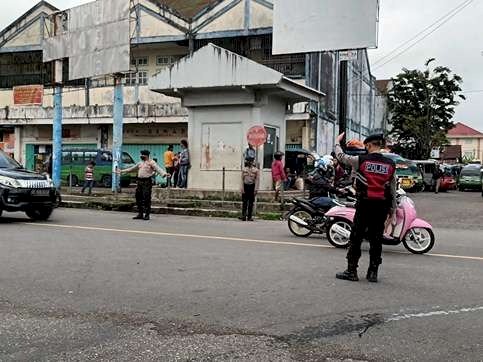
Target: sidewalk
x=207 y=203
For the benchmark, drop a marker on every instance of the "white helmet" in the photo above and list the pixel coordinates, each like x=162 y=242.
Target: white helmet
x=329 y=160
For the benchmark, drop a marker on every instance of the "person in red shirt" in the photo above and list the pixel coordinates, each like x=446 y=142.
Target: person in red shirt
x=278 y=173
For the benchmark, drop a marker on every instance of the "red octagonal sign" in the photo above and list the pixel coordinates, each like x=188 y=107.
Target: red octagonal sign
x=257 y=136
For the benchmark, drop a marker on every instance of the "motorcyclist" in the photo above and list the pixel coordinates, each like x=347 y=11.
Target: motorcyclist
x=376 y=200
x=321 y=180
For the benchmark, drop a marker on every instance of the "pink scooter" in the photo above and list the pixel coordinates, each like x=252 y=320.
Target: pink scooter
x=416 y=234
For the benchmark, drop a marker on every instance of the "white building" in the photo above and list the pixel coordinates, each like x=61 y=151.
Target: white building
x=163 y=32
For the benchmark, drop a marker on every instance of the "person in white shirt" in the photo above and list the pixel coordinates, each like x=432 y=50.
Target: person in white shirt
x=146 y=169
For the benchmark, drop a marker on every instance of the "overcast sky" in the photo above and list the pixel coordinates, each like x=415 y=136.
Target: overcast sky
x=458 y=44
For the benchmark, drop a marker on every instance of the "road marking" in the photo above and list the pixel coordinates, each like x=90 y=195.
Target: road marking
x=433 y=313
x=228 y=238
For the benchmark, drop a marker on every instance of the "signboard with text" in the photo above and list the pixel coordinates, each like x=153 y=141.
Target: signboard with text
x=28 y=95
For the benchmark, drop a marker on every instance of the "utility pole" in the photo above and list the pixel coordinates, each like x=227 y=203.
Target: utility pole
x=117 y=132
x=343 y=98
x=57 y=126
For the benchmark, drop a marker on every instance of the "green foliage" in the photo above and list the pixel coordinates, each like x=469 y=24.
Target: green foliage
x=422 y=105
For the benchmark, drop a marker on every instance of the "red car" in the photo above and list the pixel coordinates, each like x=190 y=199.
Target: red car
x=448 y=182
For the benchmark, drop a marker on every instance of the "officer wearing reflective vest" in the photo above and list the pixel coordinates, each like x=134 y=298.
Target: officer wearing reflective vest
x=376 y=184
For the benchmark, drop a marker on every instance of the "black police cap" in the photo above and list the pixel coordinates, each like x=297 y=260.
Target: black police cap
x=145 y=153
x=378 y=137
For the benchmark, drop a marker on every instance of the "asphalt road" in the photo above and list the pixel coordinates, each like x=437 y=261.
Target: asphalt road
x=99 y=286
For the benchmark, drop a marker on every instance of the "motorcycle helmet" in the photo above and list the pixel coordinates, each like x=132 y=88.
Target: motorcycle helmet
x=355 y=148
x=321 y=165
x=329 y=160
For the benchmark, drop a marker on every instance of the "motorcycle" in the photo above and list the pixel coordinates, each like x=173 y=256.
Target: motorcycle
x=308 y=217
x=415 y=234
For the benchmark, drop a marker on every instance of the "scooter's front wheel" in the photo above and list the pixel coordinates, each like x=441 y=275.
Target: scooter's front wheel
x=297 y=229
x=339 y=233
x=419 y=240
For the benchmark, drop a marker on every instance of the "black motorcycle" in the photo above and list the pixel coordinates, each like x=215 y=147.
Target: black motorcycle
x=307 y=217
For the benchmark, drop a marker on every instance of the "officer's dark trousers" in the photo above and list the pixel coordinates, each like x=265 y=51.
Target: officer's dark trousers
x=248 y=200
x=369 y=221
x=143 y=195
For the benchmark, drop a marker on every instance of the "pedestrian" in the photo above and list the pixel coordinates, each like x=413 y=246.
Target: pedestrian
x=249 y=189
x=437 y=175
x=176 y=169
x=184 y=165
x=146 y=169
x=169 y=158
x=278 y=173
x=376 y=201
x=291 y=177
x=250 y=153
x=89 y=177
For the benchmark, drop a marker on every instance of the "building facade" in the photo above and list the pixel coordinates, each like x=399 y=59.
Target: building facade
x=163 y=32
x=470 y=140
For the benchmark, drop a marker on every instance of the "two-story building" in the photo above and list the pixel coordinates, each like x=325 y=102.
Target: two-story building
x=163 y=31
x=470 y=140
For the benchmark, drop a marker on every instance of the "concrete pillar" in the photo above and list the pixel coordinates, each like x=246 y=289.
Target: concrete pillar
x=19 y=151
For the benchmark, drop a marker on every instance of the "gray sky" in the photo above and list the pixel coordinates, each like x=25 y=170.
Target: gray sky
x=457 y=44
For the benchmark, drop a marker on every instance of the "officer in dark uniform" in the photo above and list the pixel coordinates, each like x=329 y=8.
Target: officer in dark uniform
x=376 y=201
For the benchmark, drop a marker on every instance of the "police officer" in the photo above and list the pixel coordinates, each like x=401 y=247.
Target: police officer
x=376 y=200
x=146 y=169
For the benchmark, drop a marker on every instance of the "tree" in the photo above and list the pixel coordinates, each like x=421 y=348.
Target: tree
x=422 y=105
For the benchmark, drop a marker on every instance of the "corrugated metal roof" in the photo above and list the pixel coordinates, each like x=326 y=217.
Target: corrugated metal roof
x=187 y=8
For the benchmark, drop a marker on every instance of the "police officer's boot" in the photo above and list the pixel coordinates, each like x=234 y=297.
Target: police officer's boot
x=147 y=216
x=372 y=272
x=139 y=216
x=349 y=274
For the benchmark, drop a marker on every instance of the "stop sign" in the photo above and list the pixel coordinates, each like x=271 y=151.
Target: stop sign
x=257 y=136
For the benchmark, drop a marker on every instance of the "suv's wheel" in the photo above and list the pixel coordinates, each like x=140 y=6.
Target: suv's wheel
x=1 y=211
x=106 y=181
x=72 y=180
x=40 y=213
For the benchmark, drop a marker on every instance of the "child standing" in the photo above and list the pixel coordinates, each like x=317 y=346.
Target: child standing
x=89 y=177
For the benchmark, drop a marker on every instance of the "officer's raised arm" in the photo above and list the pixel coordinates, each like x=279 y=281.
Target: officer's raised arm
x=344 y=158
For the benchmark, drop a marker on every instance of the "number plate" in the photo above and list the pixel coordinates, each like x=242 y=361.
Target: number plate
x=40 y=192
x=405 y=182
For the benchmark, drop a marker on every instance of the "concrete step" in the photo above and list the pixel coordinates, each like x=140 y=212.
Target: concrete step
x=181 y=203
x=103 y=204
x=191 y=194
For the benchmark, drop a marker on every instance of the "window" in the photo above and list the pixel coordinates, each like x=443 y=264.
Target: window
x=270 y=147
x=106 y=157
x=140 y=62
x=78 y=157
x=164 y=60
x=126 y=158
x=66 y=157
x=142 y=78
x=468 y=141
x=90 y=156
x=131 y=78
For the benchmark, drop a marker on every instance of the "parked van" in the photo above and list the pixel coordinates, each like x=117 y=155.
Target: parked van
x=408 y=173
x=470 y=178
x=74 y=162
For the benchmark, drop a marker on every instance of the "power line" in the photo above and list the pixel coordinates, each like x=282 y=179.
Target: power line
x=425 y=36
x=464 y=3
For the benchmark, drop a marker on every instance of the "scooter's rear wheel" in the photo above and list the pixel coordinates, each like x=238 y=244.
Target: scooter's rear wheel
x=419 y=240
x=338 y=233
x=299 y=230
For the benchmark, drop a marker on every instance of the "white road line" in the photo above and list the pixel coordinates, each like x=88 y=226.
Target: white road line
x=433 y=314
x=226 y=238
